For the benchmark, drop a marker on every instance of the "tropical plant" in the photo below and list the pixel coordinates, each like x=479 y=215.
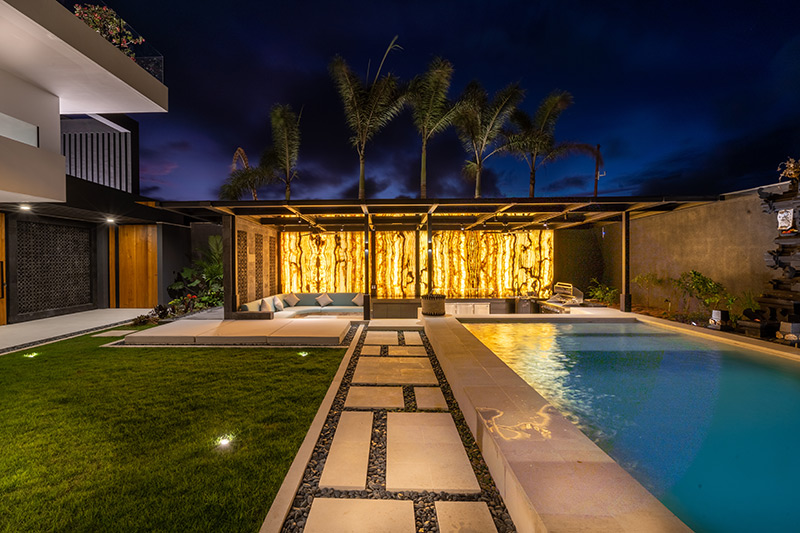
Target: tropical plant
x=533 y=137
x=368 y=107
x=246 y=179
x=430 y=108
x=648 y=281
x=110 y=26
x=479 y=123
x=708 y=292
x=602 y=292
x=202 y=281
x=282 y=155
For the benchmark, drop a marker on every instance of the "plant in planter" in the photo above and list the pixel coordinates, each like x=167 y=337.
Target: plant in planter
x=107 y=23
x=202 y=280
x=711 y=294
x=648 y=281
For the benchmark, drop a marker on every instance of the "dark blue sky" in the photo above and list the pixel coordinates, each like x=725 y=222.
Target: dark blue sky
x=685 y=98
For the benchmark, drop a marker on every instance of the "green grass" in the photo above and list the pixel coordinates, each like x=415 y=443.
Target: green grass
x=124 y=439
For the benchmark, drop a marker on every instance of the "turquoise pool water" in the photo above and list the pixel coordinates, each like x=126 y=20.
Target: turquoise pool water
x=711 y=430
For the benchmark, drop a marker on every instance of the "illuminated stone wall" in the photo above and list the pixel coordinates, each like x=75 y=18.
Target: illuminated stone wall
x=395 y=264
x=467 y=264
x=329 y=262
x=470 y=264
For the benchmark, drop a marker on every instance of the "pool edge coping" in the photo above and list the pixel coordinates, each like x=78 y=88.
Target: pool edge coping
x=447 y=336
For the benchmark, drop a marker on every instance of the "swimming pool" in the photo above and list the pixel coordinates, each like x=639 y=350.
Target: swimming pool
x=711 y=430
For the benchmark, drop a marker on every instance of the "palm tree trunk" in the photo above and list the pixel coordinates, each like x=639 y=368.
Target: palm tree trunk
x=423 y=176
x=288 y=191
x=478 y=180
x=533 y=181
x=361 y=191
x=255 y=196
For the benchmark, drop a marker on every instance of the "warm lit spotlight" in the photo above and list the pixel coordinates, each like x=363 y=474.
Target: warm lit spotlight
x=25 y=207
x=30 y=355
x=302 y=354
x=110 y=220
x=224 y=441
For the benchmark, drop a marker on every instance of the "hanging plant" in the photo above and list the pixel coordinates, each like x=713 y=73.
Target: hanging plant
x=107 y=23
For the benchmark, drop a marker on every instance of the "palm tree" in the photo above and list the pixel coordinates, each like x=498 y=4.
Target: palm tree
x=430 y=108
x=367 y=107
x=534 y=137
x=245 y=179
x=480 y=122
x=282 y=156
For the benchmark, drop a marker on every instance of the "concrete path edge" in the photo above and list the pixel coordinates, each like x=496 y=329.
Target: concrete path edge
x=282 y=503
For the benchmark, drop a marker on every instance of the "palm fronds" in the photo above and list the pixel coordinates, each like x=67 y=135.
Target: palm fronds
x=285 y=144
x=369 y=107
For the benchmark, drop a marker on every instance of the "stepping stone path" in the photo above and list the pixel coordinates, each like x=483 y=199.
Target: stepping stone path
x=395 y=453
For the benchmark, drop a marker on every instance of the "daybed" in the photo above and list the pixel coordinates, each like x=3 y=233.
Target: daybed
x=307 y=303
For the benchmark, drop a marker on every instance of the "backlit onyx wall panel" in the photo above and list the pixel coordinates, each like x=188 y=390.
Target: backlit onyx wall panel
x=54 y=267
x=395 y=270
x=327 y=262
x=480 y=264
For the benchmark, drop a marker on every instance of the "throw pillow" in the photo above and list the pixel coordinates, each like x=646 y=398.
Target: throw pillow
x=291 y=299
x=323 y=299
x=358 y=299
x=277 y=303
x=266 y=305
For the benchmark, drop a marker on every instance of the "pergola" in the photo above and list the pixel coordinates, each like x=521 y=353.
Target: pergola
x=425 y=216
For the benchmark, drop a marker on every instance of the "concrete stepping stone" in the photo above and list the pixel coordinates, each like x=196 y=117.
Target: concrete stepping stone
x=424 y=452
x=346 y=466
x=394 y=371
x=414 y=351
x=412 y=338
x=382 y=337
x=429 y=398
x=115 y=333
x=464 y=517
x=331 y=515
x=375 y=398
x=370 y=350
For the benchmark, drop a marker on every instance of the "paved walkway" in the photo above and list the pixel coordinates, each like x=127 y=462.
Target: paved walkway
x=24 y=334
x=395 y=454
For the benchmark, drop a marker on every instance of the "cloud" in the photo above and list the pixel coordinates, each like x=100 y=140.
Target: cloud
x=570 y=183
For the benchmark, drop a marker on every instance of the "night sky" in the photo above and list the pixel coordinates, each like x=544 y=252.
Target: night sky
x=686 y=98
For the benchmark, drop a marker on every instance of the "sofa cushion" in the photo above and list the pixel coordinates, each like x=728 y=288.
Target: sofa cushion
x=266 y=305
x=323 y=299
x=253 y=307
x=358 y=299
x=277 y=303
x=291 y=299
x=308 y=298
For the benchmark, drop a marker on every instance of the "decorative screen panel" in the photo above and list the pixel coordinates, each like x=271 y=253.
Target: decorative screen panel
x=332 y=262
x=54 y=266
x=241 y=265
x=273 y=265
x=259 y=250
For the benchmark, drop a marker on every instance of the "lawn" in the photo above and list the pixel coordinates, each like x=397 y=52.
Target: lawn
x=127 y=439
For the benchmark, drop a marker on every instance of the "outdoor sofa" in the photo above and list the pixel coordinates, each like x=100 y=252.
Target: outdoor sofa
x=306 y=303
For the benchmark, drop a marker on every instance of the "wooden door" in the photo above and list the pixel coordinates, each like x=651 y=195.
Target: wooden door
x=138 y=266
x=3 y=272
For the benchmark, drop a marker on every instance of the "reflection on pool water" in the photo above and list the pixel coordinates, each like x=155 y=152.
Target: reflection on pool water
x=711 y=430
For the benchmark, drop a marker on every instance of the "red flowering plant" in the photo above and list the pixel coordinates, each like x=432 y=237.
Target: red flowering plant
x=107 y=23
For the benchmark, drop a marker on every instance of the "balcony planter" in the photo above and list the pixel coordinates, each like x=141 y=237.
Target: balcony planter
x=433 y=305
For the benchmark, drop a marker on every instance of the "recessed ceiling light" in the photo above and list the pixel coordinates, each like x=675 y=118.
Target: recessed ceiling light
x=110 y=220
x=25 y=207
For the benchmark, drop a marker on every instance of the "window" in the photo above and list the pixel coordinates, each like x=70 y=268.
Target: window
x=18 y=130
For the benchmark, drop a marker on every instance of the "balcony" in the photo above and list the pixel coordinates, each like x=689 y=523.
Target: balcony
x=143 y=53
x=45 y=45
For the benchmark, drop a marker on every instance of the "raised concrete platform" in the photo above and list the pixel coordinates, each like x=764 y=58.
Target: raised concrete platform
x=323 y=332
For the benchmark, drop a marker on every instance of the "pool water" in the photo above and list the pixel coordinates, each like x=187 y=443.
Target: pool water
x=713 y=431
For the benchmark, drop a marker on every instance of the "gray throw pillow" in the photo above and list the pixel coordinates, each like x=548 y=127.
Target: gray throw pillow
x=323 y=299
x=277 y=303
x=291 y=299
x=358 y=299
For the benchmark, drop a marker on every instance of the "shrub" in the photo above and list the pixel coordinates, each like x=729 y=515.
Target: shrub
x=603 y=293
x=202 y=280
x=705 y=290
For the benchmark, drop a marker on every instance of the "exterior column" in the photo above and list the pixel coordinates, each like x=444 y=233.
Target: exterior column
x=430 y=254
x=366 y=269
x=229 y=282
x=625 y=288
x=373 y=287
x=416 y=264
